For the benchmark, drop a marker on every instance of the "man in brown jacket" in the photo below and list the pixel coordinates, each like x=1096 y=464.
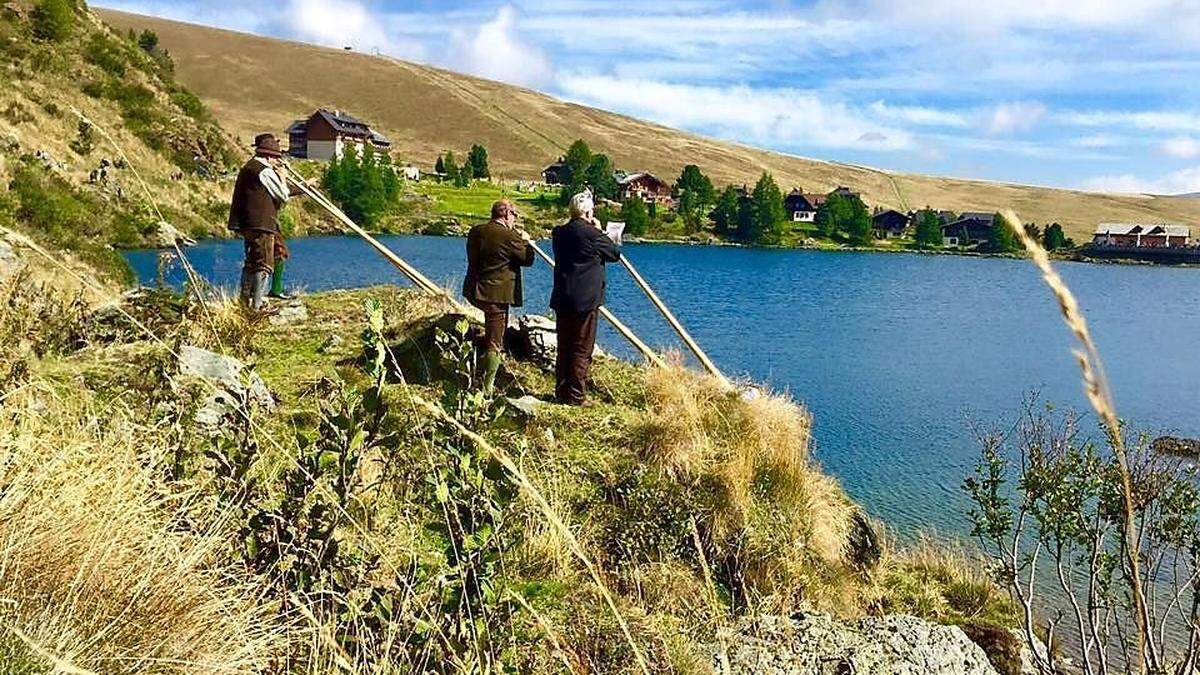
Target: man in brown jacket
x=496 y=252
x=258 y=194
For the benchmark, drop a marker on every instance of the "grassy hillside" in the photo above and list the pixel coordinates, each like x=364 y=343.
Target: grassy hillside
x=354 y=527
x=254 y=83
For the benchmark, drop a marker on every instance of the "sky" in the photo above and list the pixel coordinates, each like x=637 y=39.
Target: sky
x=1090 y=94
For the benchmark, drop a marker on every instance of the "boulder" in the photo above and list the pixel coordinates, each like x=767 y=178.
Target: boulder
x=231 y=382
x=532 y=338
x=816 y=644
x=167 y=235
x=290 y=311
x=10 y=262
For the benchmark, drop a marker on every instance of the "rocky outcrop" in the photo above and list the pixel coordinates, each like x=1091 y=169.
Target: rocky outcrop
x=816 y=644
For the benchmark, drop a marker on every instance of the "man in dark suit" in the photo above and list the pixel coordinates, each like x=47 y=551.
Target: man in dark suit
x=496 y=252
x=581 y=248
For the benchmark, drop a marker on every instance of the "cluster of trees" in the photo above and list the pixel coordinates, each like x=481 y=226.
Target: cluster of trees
x=364 y=185
x=584 y=169
x=475 y=166
x=844 y=215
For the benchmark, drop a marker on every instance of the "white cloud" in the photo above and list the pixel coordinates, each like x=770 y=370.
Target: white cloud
x=1098 y=141
x=495 y=51
x=918 y=115
x=1176 y=182
x=335 y=23
x=1016 y=117
x=772 y=117
x=1181 y=147
x=1149 y=119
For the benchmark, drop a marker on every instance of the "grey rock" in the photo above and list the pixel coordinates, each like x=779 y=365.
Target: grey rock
x=291 y=311
x=10 y=262
x=526 y=405
x=817 y=644
x=533 y=338
x=231 y=382
x=167 y=235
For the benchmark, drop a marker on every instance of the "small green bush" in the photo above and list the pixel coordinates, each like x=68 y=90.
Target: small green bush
x=189 y=103
x=54 y=20
x=106 y=54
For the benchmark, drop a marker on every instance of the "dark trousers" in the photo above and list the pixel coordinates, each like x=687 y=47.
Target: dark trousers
x=260 y=251
x=576 y=342
x=495 y=322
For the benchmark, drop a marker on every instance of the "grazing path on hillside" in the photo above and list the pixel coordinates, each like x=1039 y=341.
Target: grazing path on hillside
x=483 y=106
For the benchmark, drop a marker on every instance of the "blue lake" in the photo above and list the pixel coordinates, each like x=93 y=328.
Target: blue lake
x=892 y=353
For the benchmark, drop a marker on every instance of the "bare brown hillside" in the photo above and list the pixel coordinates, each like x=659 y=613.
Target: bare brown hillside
x=254 y=83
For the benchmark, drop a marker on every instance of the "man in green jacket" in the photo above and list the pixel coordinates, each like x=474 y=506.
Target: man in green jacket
x=496 y=252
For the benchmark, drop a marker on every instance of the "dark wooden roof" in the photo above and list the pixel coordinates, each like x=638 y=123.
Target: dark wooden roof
x=344 y=124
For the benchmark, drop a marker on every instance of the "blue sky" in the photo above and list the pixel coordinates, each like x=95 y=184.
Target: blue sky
x=1092 y=94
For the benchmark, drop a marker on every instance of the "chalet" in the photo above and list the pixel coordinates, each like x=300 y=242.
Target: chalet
x=645 y=186
x=890 y=224
x=971 y=229
x=556 y=173
x=327 y=134
x=845 y=192
x=1140 y=235
x=801 y=206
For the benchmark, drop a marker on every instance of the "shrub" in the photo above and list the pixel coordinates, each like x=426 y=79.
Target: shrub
x=106 y=54
x=189 y=103
x=54 y=20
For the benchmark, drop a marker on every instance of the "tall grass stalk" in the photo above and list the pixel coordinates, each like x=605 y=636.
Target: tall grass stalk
x=1095 y=385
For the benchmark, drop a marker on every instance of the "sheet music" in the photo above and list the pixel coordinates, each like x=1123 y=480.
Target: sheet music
x=614 y=229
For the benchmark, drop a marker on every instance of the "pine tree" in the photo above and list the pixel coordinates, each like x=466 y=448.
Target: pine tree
x=695 y=194
x=724 y=214
x=440 y=167
x=858 y=224
x=1001 y=239
x=450 y=167
x=766 y=211
x=575 y=165
x=1054 y=238
x=635 y=215
x=478 y=161
x=929 y=229
x=600 y=177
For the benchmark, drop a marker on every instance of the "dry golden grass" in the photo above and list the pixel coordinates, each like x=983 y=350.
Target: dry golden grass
x=785 y=521
x=97 y=570
x=256 y=84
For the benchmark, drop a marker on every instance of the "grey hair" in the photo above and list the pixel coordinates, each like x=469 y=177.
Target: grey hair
x=582 y=204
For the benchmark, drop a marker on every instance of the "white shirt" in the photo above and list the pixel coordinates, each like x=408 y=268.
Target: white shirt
x=272 y=182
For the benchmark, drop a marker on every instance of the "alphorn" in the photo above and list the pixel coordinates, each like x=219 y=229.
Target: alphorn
x=670 y=317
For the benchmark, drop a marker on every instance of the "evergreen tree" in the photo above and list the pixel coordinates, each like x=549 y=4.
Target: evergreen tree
x=575 y=165
x=745 y=219
x=450 y=167
x=478 y=161
x=1033 y=231
x=364 y=184
x=858 y=222
x=148 y=41
x=1001 y=239
x=724 y=214
x=54 y=20
x=600 y=177
x=833 y=215
x=440 y=167
x=635 y=215
x=929 y=229
x=695 y=194
x=1054 y=238
x=766 y=212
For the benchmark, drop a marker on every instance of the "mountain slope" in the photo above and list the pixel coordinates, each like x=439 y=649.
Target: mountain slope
x=254 y=84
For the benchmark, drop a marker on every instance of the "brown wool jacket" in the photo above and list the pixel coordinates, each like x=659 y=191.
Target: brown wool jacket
x=495 y=256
